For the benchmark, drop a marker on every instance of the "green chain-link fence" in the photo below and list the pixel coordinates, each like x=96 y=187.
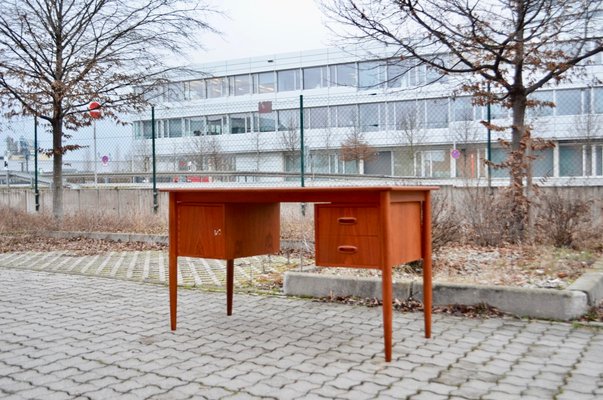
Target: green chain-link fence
x=310 y=140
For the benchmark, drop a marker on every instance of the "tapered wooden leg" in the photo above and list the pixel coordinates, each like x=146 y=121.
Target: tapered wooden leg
x=386 y=282
x=426 y=250
x=427 y=295
x=173 y=283
x=229 y=285
x=173 y=260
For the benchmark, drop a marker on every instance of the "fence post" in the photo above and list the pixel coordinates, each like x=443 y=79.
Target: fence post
x=155 y=204
x=489 y=116
x=36 y=192
x=301 y=138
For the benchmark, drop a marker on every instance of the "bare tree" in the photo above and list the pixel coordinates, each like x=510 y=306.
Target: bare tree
x=208 y=154
x=355 y=148
x=516 y=46
x=56 y=56
x=290 y=142
x=410 y=134
x=258 y=147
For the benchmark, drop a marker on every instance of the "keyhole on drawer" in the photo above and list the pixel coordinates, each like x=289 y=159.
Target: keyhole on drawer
x=217 y=232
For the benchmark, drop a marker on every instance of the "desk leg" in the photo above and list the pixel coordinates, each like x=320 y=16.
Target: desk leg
x=386 y=273
x=229 y=285
x=426 y=248
x=173 y=283
x=386 y=290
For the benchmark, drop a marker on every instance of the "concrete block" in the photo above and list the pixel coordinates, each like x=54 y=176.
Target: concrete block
x=590 y=283
x=318 y=285
x=96 y=235
x=524 y=302
x=151 y=239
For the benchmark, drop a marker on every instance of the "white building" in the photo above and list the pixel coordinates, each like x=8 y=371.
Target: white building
x=244 y=115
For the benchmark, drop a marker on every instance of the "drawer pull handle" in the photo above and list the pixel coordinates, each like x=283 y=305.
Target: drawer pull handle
x=347 y=249
x=346 y=220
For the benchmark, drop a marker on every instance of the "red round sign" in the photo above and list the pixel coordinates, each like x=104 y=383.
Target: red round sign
x=94 y=108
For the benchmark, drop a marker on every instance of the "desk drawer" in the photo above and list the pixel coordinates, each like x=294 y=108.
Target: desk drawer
x=353 y=251
x=347 y=236
x=346 y=220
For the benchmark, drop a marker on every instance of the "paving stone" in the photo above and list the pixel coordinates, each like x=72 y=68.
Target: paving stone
x=41 y=392
x=427 y=395
x=115 y=342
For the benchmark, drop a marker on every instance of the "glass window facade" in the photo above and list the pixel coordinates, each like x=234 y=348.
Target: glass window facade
x=315 y=78
x=215 y=124
x=240 y=123
x=598 y=100
x=462 y=109
x=216 y=87
x=175 y=91
x=265 y=122
x=175 y=127
x=195 y=126
x=344 y=116
x=288 y=80
x=147 y=129
x=369 y=118
x=343 y=75
x=407 y=115
x=395 y=74
x=569 y=102
x=542 y=165
x=316 y=117
x=240 y=85
x=265 y=82
x=370 y=75
x=570 y=160
x=196 y=90
x=436 y=113
x=541 y=110
x=288 y=120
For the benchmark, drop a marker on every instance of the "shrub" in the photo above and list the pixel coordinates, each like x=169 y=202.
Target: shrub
x=565 y=222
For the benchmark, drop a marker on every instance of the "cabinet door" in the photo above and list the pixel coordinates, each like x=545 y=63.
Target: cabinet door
x=201 y=230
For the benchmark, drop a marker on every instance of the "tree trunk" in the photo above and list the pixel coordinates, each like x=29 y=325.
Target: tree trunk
x=57 y=169
x=518 y=171
x=520 y=139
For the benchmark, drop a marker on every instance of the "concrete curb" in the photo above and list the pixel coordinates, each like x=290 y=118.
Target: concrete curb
x=524 y=302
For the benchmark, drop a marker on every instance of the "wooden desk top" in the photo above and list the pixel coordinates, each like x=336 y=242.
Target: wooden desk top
x=347 y=194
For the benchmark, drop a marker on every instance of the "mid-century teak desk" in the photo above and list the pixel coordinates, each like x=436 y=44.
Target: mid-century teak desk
x=358 y=227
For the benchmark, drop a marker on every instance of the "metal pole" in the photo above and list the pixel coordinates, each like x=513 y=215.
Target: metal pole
x=301 y=138
x=36 y=192
x=95 y=154
x=489 y=111
x=155 y=204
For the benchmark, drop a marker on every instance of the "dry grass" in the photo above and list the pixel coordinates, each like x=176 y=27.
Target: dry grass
x=18 y=222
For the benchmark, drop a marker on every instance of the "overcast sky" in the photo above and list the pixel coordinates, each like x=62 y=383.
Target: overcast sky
x=254 y=28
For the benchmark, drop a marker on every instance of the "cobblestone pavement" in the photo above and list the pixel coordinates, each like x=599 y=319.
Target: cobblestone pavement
x=71 y=336
x=149 y=266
